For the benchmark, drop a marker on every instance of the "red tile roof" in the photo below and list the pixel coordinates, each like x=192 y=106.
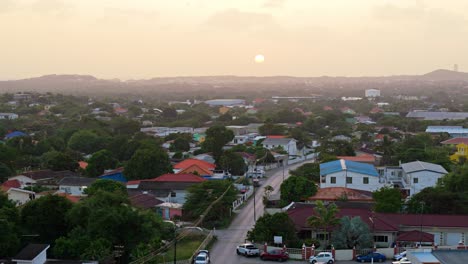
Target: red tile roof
x=178 y=178
x=189 y=162
x=135 y=182
x=276 y=136
x=83 y=164
x=337 y=193
x=415 y=236
x=11 y=184
x=455 y=141
x=299 y=213
x=192 y=168
x=71 y=198
x=361 y=158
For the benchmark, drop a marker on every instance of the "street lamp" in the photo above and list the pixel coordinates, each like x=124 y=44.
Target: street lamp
x=421 y=223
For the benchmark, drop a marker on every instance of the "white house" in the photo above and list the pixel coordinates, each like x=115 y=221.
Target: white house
x=372 y=93
x=75 y=185
x=350 y=174
x=20 y=196
x=288 y=144
x=25 y=181
x=9 y=116
x=237 y=140
x=418 y=175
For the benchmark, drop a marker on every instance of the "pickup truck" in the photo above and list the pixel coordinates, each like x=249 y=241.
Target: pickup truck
x=247 y=250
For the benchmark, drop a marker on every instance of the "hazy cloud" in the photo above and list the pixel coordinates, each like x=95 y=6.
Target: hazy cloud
x=52 y=7
x=6 y=5
x=235 y=20
x=395 y=12
x=274 y=3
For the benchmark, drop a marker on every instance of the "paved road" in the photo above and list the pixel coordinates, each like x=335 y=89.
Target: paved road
x=224 y=251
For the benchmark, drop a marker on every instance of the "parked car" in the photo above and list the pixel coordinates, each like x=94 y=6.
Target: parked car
x=399 y=256
x=247 y=250
x=202 y=258
x=378 y=257
x=324 y=257
x=275 y=254
x=402 y=261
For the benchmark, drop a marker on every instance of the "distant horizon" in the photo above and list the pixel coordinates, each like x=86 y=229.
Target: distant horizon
x=224 y=75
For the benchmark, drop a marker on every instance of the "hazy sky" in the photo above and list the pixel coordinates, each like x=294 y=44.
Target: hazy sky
x=152 y=38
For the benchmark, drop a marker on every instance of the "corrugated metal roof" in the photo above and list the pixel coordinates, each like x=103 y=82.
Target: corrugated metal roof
x=448 y=129
x=422 y=166
x=276 y=141
x=438 y=115
x=341 y=165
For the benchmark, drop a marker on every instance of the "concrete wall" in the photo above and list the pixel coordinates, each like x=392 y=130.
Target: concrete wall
x=357 y=183
x=343 y=254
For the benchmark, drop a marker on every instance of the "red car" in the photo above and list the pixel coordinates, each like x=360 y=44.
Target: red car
x=275 y=254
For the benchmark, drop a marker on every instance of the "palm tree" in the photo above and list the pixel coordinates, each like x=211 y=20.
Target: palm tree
x=324 y=217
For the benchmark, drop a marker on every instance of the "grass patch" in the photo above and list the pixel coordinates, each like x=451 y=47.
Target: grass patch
x=185 y=248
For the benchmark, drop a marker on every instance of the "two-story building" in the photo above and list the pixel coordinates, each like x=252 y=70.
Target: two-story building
x=350 y=174
x=287 y=144
x=461 y=155
x=75 y=185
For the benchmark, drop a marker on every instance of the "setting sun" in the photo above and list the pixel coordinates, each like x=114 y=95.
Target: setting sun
x=259 y=58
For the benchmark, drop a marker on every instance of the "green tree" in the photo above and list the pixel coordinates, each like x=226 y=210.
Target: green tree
x=437 y=201
x=268 y=226
x=269 y=128
x=85 y=141
x=9 y=233
x=180 y=144
x=324 y=217
x=353 y=232
x=309 y=170
x=216 y=138
x=202 y=195
x=148 y=163
x=58 y=161
x=387 y=200
x=232 y=162
x=46 y=217
x=99 y=162
x=296 y=189
x=5 y=172
x=106 y=185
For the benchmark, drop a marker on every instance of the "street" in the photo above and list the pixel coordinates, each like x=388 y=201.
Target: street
x=224 y=251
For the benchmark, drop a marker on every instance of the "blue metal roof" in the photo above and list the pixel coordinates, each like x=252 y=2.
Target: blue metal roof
x=117 y=176
x=342 y=165
x=16 y=134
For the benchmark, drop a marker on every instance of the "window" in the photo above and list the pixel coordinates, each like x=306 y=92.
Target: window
x=381 y=238
x=349 y=180
x=333 y=180
x=321 y=236
x=415 y=180
x=365 y=180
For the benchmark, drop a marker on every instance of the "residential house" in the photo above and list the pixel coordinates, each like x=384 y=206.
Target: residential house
x=45 y=178
x=171 y=188
x=115 y=175
x=341 y=138
x=238 y=130
x=372 y=93
x=414 y=176
x=15 y=134
x=19 y=196
x=453 y=131
x=143 y=200
x=347 y=110
x=455 y=141
x=443 y=230
x=169 y=211
x=461 y=154
x=196 y=166
x=238 y=140
x=423 y=115
x=350 y=174
x=32 y=254
x=75 y=185
x=287 y=144
x=9 y=116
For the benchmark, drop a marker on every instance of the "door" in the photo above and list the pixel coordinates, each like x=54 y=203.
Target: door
x=453 y=239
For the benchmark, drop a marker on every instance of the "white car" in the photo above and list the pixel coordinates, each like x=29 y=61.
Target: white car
x=324 y=257
x=202 y=258
x=247 y=250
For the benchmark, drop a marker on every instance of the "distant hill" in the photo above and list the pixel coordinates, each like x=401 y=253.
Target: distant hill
x=88 y=85
x=442 y=75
